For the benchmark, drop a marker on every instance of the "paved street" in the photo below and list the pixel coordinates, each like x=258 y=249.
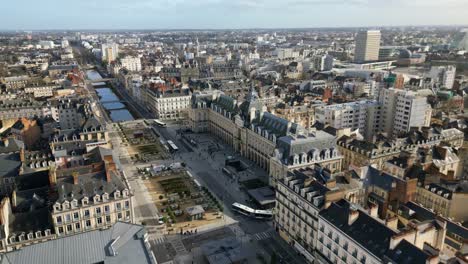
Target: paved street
x=206 y=168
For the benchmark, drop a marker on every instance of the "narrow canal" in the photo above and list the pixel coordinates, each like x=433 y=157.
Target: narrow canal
x=110 y=101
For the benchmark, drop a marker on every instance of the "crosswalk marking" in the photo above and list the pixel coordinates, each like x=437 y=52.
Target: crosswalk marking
x=262 y=235
x=177 y=244
x=160 y=240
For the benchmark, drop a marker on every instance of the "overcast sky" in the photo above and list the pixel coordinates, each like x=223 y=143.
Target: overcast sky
x=218 y=14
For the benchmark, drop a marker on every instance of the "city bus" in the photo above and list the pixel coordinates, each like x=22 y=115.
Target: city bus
x=172 y=147
x=159 y=123
x=252 y=213
x=263 y=214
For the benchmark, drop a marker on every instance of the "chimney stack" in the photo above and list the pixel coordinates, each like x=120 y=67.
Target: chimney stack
x=13 y=199
x=5 y=142
x=374 y=210
x=353 y=215
x=109 y=166
x=52 y=176
x=22 y=156
x=75 y=177
x=392 y=222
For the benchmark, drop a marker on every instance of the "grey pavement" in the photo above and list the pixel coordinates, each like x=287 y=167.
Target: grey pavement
x=206 y=169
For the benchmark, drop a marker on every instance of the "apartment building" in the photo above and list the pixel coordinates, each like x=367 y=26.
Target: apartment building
x=443 y=76
x=363 y=115
x=358 y=152
x=70 y=114
x=299 y=199
x=323 y=62
x=303 y=115
x=452 y=235
x=19 y=108
x=447 y=200
x=347 y=234
x=286 y=53
x=109 y=52
x=403 y=110
x=130 y=63
x=304 y=150
x=41 y=91
x=167 y=104
x=90 y=201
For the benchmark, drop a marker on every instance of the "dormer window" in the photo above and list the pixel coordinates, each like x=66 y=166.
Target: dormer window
x=105 y=196
x=30 y=236
x=74 y=203
x=57 y=207
x=125 y=193
x=66 y=205
x=47 y=232
x=21 y=237
x=12 y=239
x=117 y=194
x=38 y=234
x=85 y=201
x=96 y=198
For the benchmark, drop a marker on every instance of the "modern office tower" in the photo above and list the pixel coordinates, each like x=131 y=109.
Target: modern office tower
x=110 y=52
x=463 y=44
x=444 y=76
x=402 y=110
x=367 y=46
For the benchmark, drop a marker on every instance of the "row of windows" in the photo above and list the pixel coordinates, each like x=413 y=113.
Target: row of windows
x=30 y=236
x=85 y=201
x=333 y=243
x=75 y=216
x=88 y=224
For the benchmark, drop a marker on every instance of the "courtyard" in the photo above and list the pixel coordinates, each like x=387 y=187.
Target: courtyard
x=142 y=143
x=178 y=195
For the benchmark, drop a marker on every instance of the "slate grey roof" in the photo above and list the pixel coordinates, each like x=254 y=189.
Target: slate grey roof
x=263 y=195
x=9 y=165
x=9 y=145
x=371 y=234
x=273 y=124
x=422 y=214
x=228 y=103
x=31 y=221
x=88 y=186
x=126 y=240
x=407 y=253
x=380 y=179
x=289 y=145
x=91 y=123
x=251 y=101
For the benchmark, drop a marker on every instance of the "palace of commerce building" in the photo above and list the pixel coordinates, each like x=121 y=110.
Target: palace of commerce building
x=273 y=143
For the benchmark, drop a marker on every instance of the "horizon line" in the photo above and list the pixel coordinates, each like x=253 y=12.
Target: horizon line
x=240 y=28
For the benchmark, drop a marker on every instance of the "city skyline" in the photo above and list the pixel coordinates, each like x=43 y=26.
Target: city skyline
x=221 y=14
